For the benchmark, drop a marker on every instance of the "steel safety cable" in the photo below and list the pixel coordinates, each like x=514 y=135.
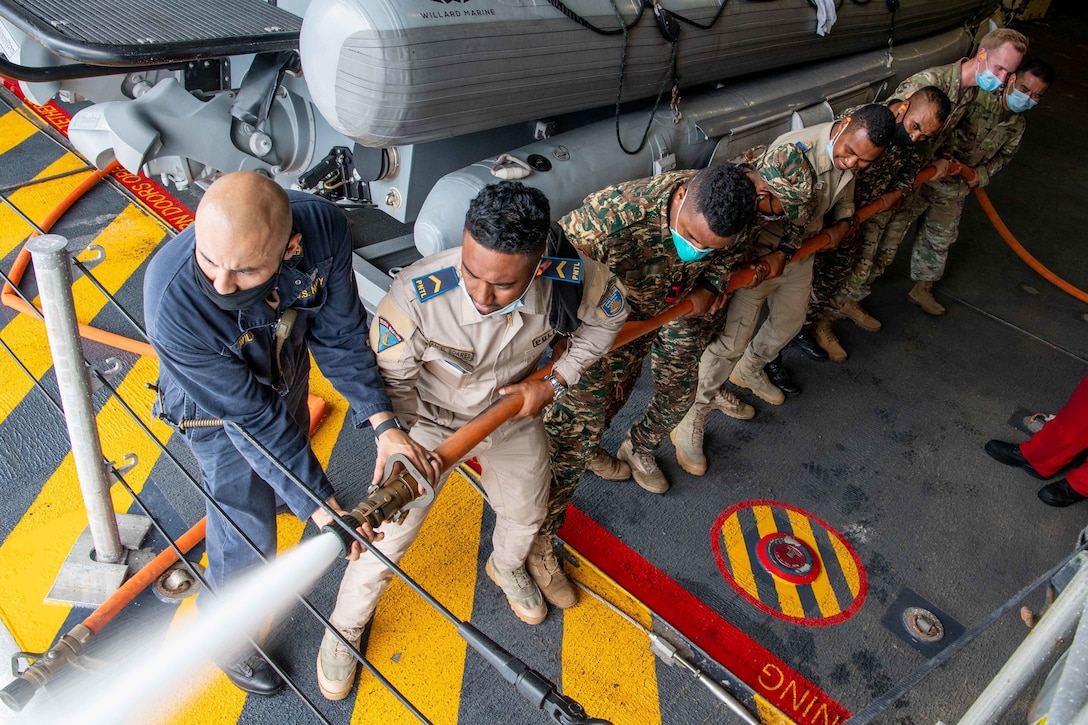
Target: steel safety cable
x=526 y=681
x=872 y=710
x=253 y=546
x=196 y=484
x=16 y=291
x=203 y=582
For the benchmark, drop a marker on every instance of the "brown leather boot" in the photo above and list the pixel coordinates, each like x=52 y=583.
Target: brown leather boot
x=544 y=567
x=825 y=338
x=921 y=294
x=851 y=310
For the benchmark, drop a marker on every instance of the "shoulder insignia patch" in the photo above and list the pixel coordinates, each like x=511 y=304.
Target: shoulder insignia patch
x=387 y=336
x=613 y=302
x=562 y=269
x=428 y=286
x=803 y=147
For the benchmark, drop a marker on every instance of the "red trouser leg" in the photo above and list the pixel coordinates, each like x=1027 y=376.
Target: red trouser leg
x=1052 y=448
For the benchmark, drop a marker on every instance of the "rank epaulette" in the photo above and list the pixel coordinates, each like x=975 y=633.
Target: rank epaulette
x=801 y=145
x=562 y=269
x=428 y=286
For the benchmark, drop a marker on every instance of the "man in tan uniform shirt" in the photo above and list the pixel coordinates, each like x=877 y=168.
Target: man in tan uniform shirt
x=458 y=330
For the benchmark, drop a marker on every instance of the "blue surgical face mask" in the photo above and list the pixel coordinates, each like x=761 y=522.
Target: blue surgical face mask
x=687 y=251
x=1018 y=101
x=986 y=80
x=831 y=141
x=515 y=305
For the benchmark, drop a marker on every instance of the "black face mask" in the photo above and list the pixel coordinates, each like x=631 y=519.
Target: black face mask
x=239 y=300
x=901 y=137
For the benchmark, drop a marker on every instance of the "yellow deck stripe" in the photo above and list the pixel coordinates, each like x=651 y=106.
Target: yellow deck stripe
x=849 y=566
x=630 y=694
x=14 y=129
x=36 y=201
x=821 y=585
x=410 y=643
x=789 y=603
x=588 y=575
x=32 y=554
x=740 y=559
x=608 y=665
x=128 y=240
x=769 y=714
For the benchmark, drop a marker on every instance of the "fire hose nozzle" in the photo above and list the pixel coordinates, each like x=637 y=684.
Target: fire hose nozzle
x=17 y=693
x=389 y=501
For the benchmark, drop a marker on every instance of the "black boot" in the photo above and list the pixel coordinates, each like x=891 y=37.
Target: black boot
x=1010 y=455
x=780 y=376
x=806 y=343
x=252 y=673
x=1059 y=493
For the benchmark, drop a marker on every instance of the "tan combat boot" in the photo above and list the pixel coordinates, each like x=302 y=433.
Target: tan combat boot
x=851 y=310
x=732 y=406
x=688 y=439
x=547 y=572
x=825 y=338
x=336 y=664
x=607 y=467
x=921 y=294
x=644 y=468
x=521 y=592
x=749 y=374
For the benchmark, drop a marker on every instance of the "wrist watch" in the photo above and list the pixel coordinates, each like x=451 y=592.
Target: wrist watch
x=558 y=389
x=788 y=252
x=386 y=425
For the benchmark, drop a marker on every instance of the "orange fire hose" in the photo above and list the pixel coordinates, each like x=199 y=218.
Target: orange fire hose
x=141 y=579
x=463 y=440
x=999 y=225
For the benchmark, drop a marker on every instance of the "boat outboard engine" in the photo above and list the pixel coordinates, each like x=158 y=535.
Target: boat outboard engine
x=266 y=125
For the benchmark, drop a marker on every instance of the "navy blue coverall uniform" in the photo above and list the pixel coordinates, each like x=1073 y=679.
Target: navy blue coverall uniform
x=219 y=364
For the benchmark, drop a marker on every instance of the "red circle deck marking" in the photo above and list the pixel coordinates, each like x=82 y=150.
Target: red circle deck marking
x=789 y=563
x=787 y=558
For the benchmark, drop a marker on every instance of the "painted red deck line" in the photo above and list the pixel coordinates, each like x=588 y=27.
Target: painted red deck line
x=766 y=674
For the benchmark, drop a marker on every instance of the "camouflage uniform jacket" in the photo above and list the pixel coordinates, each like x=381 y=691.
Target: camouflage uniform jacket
x=894 y=169
x=834 y=188
x=947 y=78
x=988 y=136
x=626 y=227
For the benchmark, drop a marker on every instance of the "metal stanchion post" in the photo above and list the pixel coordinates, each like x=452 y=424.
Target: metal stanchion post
x=52 y=269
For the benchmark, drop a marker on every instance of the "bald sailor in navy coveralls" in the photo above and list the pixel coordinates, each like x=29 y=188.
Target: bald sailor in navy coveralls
x=214 y=298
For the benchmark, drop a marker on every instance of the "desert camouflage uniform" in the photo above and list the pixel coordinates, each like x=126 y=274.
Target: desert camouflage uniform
x=627 y=228
x=837 y=273
x=947 y=78
x=986 y=139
